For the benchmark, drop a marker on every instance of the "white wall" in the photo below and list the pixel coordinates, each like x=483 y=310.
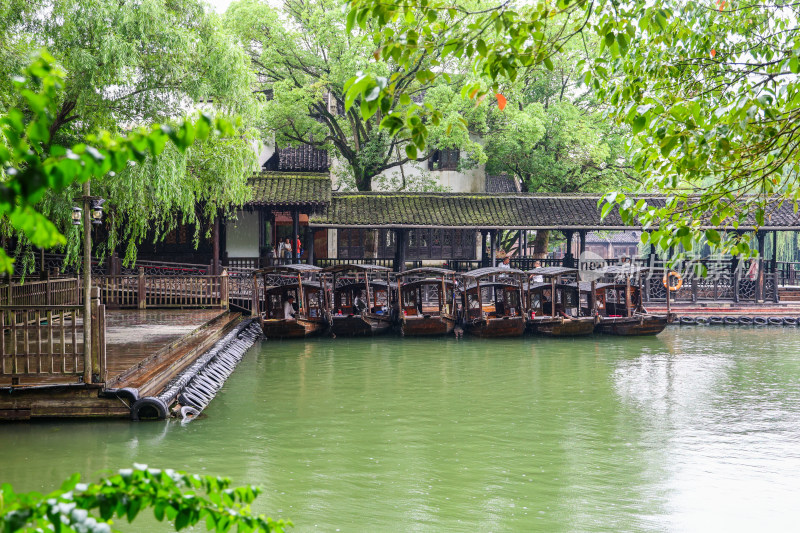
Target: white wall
x=472 y=180
x=241 y=237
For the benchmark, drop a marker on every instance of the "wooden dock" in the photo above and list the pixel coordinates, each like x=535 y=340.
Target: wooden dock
x=144 y=350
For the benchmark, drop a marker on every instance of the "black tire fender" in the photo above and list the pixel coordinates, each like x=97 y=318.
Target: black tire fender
x=149 y=408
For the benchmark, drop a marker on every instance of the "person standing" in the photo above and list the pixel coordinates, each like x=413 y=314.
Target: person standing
x=538 y=278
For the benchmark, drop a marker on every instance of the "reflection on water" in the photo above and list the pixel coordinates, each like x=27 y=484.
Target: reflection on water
x=694 y=430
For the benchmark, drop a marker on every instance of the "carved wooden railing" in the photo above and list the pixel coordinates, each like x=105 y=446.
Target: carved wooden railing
x=146 y=292
x=48 y=341
x=58 y=291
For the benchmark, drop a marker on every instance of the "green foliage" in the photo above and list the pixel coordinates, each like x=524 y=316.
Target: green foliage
x=555 y=137
x=30 y=172
x=710 y=90
x=181 y=498
x=305 y=57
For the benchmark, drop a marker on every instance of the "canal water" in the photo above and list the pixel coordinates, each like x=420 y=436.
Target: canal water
x=697 y=429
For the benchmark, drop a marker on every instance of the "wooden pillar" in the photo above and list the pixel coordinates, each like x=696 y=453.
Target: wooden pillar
x=295 y=233
x=760 y=279
x=310 y=245
x=402 y=240
x=524 y=243
x=483 y=248
x=493 y=246
x=569 y=259
x=215 y=246
x=582 y=237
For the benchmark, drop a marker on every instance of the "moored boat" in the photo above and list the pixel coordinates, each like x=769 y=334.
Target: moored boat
x=554 y=307
x=493 y=303
x=292 y=287
x=618 y=304
x=360 y=300
x=427 y=303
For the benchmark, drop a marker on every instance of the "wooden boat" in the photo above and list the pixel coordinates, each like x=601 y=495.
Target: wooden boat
x=492 y=302
x=554 y=307
x=427 y=303
x=354 y=284
x=295 y=281
x=618 y=305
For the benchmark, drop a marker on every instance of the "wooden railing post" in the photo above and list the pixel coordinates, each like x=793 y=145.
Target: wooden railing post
x=254 y=298
x=223 y=289
x=775 y=278
x=48 y=289
x=142 y=295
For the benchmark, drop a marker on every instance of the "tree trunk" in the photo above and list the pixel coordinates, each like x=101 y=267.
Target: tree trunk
x=540 y=244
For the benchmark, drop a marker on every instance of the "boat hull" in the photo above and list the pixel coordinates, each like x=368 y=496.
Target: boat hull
x=291 y=329
x=562 y=327
x=358 y=325
x=632 y=326
x=430 y=326
x=497 y=327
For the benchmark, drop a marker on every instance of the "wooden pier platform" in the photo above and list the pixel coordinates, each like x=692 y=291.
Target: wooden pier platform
x=145 y=349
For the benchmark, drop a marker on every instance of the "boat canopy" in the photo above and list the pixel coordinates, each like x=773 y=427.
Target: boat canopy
x=352 y=267
x=426 y=270
x=627 y=269
x=288 y=269
x=491 y=271
x=586 y=286
x=552 y=271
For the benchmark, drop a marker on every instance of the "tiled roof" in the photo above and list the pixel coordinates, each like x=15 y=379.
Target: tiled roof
x=617 y=237
x=290 y=189
x=488 y=211
x=304 y=158
x=501 y=183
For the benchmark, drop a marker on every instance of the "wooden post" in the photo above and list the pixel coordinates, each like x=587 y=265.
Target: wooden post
x=569 y=259
x=141 y=293
x=223 y=289
x=582 y=238
x=760 y=261
x=295 y=233
x=48 y=294
x=553 y=296
x=255 y=311
x=693 y=282
x=493 y=246
x=593 y=299
x=98 y=366
x=215 y=246
x=310 y=245
x=628 y=295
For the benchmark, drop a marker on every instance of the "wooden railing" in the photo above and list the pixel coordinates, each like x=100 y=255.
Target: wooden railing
x=143 y=292
x=58 y=291
x=48 y=340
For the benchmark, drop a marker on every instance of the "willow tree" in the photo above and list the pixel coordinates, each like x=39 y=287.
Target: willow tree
x=304 y=57
x=129 y=64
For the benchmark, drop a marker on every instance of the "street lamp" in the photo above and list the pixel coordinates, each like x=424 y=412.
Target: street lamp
x=92 y=213
x=97 y=211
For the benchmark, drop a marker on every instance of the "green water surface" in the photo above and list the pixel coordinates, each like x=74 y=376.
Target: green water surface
x=697 y=429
